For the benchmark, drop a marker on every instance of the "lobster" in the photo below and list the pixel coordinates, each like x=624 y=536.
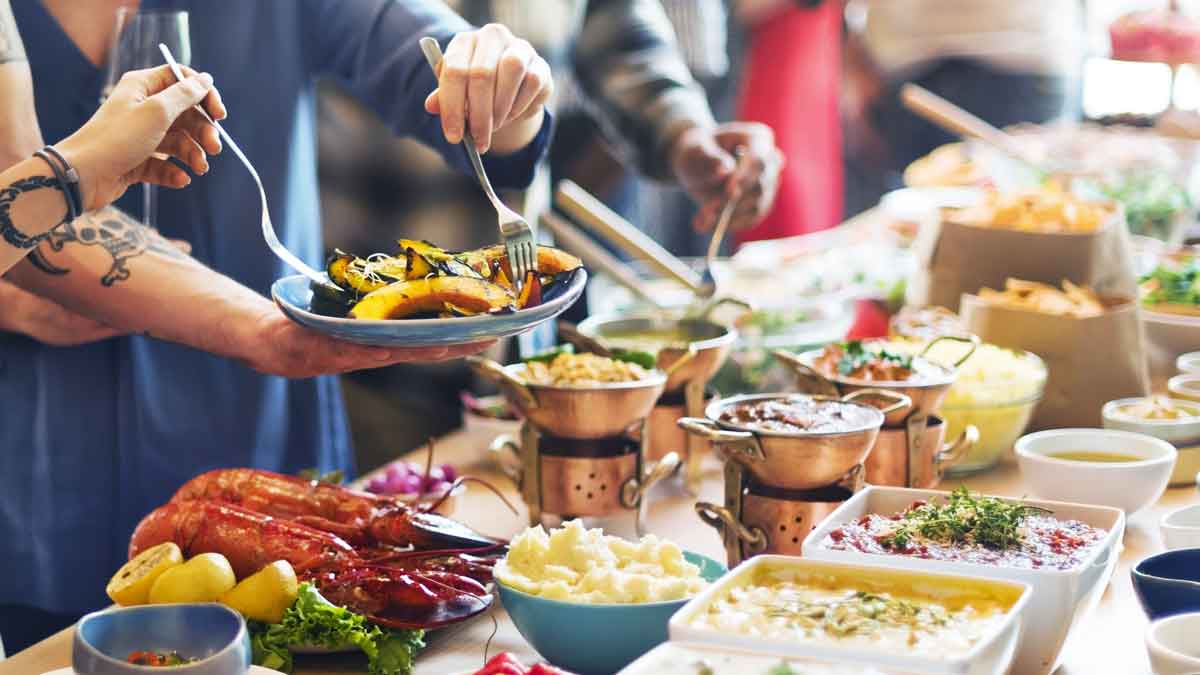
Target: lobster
x=360 y=518
x=410 y=589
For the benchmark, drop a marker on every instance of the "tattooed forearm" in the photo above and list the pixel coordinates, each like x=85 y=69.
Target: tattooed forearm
x=11 y=48
x=120 y=236
x=9 y=194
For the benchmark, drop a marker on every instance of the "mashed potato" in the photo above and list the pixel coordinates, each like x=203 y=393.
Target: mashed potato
x=575 y=564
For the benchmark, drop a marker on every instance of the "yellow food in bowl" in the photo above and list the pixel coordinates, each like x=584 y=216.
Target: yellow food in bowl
x=575 y=564
x=996 y=390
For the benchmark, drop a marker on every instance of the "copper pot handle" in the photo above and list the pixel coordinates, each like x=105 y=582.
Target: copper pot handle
x=972 y=339
x=721 y=519
x=821 y=385
x=635 y=488
x=515 y=389
x=742 y=444
x=687 y=358
x=953 y=452
x=570 y=332
x=514 y=471
x=899 y=401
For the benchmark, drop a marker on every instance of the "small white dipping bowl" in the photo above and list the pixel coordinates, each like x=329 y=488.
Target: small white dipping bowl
x=1188 y=363
x=1130 y=486
x=1186 y=386
x=1173 y=645
x=1181 y=528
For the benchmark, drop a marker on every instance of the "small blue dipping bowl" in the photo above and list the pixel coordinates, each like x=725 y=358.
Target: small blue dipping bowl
x=213 y=633
x=1168 y=583
x=595 y=639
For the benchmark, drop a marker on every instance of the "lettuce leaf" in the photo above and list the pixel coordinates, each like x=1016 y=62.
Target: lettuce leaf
x=314 y=621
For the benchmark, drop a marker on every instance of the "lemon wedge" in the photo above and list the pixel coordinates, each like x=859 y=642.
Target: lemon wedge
x=131 y=584
x=204 y=578
x=266 y=594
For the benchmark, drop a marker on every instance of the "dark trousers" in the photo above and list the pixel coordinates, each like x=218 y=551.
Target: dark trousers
x=22 y=626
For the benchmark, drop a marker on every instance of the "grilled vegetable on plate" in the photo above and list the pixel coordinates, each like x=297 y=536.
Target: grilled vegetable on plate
x=424 y=296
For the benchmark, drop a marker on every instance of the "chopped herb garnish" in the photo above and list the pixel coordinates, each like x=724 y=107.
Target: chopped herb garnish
x=963 y=518
x=781 y=668
x=855 y=356
x=858 y=612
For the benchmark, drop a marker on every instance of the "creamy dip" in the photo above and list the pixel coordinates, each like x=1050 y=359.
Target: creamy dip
x=783 y=605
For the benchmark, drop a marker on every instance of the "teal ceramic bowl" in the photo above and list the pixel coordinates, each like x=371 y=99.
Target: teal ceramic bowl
x=595 y=639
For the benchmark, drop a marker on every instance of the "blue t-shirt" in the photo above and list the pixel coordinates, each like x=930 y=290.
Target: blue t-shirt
x=94 y=437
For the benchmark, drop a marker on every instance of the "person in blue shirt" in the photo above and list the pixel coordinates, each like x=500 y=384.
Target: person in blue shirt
x=211 y=374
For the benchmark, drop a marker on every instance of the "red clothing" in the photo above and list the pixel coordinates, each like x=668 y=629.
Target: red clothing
x=791 y=83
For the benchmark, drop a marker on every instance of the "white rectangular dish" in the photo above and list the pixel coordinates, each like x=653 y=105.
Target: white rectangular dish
x=990 y=654
x=691 y=658
x=1060 y=598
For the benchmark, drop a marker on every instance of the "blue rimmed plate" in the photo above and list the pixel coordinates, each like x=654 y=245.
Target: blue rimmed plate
x=294 y=297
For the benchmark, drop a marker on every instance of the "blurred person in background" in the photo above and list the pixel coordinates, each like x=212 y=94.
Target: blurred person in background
x=1007 y=61
x=97 y=435
x=792 y=82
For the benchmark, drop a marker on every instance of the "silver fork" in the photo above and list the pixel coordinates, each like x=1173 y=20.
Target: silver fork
x=514 y=231
x=267 y=227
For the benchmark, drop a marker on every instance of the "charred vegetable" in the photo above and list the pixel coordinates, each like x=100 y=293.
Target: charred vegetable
x=423 y=279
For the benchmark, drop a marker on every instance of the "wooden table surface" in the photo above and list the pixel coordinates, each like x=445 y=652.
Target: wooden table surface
x=1109 y=641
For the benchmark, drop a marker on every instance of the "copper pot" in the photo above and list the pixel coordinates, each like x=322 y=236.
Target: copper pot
x=697 y=355
x=915 y=455
x=794 y=460
x=592 y=411
x=927 y=392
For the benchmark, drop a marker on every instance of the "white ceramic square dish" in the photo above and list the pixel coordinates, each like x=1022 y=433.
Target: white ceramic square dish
x=691 y=658
x=1060 y=598
x=991 y=654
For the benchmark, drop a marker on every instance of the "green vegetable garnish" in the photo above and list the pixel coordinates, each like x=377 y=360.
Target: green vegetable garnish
x=314 y=621
x=855 y=356
x=1176 y=285
x=781 y=668
x=644 y=359
x=963 y=518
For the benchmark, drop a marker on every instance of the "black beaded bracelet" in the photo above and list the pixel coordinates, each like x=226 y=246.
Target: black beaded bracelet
x=70 y=180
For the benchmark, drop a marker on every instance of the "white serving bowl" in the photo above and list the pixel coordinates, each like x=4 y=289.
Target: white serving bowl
x=1060 y=598
x=993 y=654
x=1174 y=645
x=1129 y=486
x=727 y=661
x=1186 y=386
x=1188 y=363
x=1181 y=528
x=1183 y=433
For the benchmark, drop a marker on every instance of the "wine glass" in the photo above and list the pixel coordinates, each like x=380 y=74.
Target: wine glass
x=134 y=47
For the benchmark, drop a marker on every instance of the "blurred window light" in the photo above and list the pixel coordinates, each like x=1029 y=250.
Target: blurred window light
x=1120 y=88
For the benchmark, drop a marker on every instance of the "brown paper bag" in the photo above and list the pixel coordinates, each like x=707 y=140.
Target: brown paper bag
x=1091 y=361
x=955 y=258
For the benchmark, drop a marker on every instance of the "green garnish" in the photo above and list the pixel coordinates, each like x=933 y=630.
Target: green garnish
x=314 y=621
x=963 y=518
x=644 y=359
x=1152 y=202
x=855 y=356
x=335 y=477
x=781 y=668
x=859 y=612
x=1176 y=285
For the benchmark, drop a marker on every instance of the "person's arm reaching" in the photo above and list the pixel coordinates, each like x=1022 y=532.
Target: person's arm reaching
x=113 y=268
x=492 y=86
x=147 y=114
x=628 y=63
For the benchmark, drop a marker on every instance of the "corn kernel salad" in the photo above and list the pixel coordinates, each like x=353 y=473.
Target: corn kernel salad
x=575 y=564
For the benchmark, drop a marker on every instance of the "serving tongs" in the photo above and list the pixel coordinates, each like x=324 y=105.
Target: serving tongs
x=268 y=229
x=595 y=216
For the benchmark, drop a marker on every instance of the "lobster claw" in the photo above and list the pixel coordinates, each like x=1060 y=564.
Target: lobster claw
x=431 y=600
x=429 y=531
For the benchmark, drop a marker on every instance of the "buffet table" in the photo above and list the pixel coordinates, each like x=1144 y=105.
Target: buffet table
x=1109 y=641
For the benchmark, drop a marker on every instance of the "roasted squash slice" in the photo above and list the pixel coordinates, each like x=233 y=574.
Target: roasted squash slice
x=550 y=260
x=406 y=298
x=363 y=276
